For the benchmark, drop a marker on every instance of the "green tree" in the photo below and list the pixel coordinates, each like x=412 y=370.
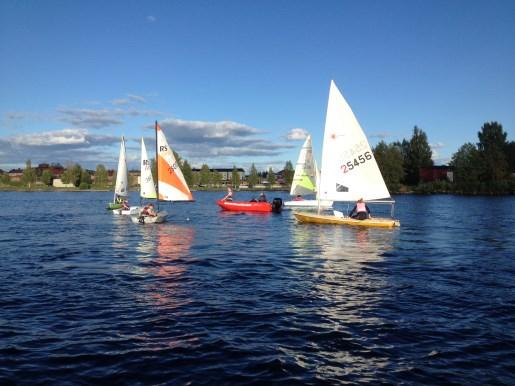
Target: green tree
x=216 y=178
x=253 y=176
x=236 y=180
x=4 y=179
x=196 y=178
x=289 y=171
x=100 y=176
x=205 y=175
x=187 y=172
x=492 y=144
x=390 y=162
x=72 y=174
x=466 y=169
x=418 y=154
x=85 y=178
x=46 y=177
x=29 y=174
x=510 y=156
x=271 y=176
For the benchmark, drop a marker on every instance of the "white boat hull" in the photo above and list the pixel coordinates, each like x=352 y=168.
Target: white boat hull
x=308 y=204
x=160 y=218
x=134 y=210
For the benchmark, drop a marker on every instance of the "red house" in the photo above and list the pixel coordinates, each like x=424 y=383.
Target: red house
x=436 y=173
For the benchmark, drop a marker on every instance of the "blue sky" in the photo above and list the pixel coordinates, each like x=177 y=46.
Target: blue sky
x=241 y=82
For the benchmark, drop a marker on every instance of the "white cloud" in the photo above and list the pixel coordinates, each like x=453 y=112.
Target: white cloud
x=151 y=19
x=89 y=118
x=60 y=146
x=222 y=142
x=131 y=99
x=297 y=134
x=435 y=149
x=51 y=138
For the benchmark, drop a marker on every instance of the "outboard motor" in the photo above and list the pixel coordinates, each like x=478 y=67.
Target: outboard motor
x=277 y=205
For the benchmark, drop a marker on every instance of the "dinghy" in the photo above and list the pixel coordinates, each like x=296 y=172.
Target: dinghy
x=349 y=169
x=305 y=180
x=171 y=185
x=121 y=187
x=245 y=206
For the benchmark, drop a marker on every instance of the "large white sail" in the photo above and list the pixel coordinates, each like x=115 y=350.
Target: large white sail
x=122 y=178
x=147 y=187
x=304 y=179
x=349 y=169
x=171 y=183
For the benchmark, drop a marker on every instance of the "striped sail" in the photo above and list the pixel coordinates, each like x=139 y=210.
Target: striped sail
x=122 y=178
x=147 y=187
x=349 y=169
x=171 y=183
x=304 y=179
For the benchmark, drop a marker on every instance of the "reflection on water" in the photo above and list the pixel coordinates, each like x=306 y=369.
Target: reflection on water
x=164 y=250
x=348 y=285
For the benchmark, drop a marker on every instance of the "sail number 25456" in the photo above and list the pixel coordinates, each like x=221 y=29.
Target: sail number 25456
x=361 y=159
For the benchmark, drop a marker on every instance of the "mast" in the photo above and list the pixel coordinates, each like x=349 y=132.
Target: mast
x=157 y=170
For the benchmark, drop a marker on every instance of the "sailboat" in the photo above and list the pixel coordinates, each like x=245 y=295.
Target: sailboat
x=147 y=187
x=171 y=185
x=349 y=169
x=305 y=179
x=121 y=188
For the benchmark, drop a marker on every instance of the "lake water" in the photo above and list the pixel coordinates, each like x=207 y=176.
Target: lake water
x=223 y=298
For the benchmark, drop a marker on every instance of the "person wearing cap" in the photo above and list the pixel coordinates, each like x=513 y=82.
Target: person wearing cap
x=360 y=211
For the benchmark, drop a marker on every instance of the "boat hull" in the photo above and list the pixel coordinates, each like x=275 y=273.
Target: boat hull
x=331 y=219
x=142 y=220
x=134 y=210
x=308 y=204
x=113 y=206
x=244 y=206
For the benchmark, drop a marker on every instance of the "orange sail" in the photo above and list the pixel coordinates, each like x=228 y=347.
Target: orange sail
x=171 y=183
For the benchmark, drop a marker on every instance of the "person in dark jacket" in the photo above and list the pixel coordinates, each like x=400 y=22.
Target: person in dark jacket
x=360 y=211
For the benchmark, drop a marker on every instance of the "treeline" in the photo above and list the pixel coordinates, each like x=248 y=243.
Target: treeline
x=482 y=168
x=485 y=167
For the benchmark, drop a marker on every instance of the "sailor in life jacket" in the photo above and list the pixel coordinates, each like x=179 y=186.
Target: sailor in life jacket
x=360 y=210
x=148 y=210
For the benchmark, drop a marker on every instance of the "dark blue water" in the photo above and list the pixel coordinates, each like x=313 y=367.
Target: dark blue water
x=221 y=298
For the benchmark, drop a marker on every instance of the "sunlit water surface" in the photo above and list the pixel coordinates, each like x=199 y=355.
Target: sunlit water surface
x=225 y=298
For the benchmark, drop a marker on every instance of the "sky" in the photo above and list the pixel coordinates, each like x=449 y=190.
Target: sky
x=239 y=82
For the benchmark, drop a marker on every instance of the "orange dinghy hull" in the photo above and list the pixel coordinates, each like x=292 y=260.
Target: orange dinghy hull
x=245 y=206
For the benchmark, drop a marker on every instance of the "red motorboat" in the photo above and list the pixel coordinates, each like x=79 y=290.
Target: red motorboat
x=250 y=206
x=245 y=206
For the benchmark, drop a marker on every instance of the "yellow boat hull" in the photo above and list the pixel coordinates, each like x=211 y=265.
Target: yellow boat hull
x=314 y=218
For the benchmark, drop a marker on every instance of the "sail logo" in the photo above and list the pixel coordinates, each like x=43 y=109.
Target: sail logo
x=163 y=149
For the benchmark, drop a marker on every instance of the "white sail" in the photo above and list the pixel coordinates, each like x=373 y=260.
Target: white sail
x=171 y=183
x=147 y=187
x=304 y=179
x=349 y=169
x=122 y=178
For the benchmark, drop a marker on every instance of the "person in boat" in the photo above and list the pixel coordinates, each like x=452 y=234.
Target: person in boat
x=298 y=198
x=118 y=199
x=262 y=197
x=148 y=210
x=125 y=205
x=228 y=196
x=360 y=211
